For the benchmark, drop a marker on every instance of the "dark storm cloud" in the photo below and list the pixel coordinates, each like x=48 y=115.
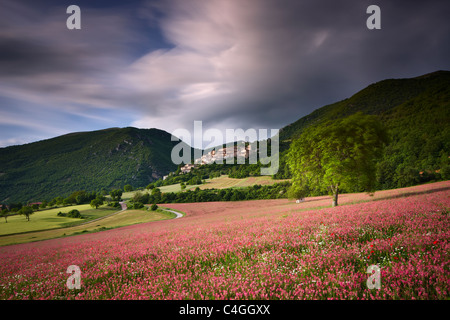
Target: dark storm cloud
x=54 y=80
x=61 y=71
x=415 y=39
x=229 y=63
x=268 y=63
x=19 y=58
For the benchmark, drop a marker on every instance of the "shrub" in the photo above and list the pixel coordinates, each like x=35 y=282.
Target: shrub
x=114 y=204
x=74 y=214
x=154 y=207
x=71 y=214
x=445 y=172
x=138 y=205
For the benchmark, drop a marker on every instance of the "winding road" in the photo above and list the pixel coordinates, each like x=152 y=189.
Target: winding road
x=178 y=215
x=124 y=207
x=122 y=204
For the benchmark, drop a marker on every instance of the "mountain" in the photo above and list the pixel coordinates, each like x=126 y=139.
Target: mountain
x=88 y=161
x=380 y=98
x=416 y=113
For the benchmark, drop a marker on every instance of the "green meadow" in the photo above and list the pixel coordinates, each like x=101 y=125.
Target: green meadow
x=49 y=219
x=45 y=229
x=222 y=182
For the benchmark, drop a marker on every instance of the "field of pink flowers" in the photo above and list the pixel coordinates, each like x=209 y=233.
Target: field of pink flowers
x=268 y=249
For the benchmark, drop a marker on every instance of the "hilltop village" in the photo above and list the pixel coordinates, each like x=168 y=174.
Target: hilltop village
x=218 y=156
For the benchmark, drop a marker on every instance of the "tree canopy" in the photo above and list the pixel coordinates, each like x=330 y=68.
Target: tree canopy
x=337 y=155
x=26 y=211
x=97 y=202
x=116 y=195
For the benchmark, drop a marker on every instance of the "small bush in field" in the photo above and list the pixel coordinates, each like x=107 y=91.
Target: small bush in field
x=74 y=214
x=138 y=205
x=71 y=214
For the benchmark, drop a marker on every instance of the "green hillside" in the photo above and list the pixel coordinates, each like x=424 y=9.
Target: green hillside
x=416 y=112
x=90 y=161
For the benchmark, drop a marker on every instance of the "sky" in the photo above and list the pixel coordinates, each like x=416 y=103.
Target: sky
x=249 y=64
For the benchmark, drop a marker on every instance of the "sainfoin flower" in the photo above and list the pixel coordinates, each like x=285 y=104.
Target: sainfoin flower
x=265 y=249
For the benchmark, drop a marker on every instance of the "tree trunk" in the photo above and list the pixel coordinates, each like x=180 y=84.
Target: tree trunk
x=335 y=196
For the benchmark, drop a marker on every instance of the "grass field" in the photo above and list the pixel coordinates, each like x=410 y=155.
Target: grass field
x=120 y=219
x=177 y=188
x=48 y=219
x=221 y=182
x=224 y=182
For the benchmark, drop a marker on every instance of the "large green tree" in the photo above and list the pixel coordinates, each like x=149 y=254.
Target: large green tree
x=4 y=213
x=337 y=155
x=97 y=202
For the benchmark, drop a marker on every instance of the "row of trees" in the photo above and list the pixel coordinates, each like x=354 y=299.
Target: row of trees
x=275 y=191
x=95 y=199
